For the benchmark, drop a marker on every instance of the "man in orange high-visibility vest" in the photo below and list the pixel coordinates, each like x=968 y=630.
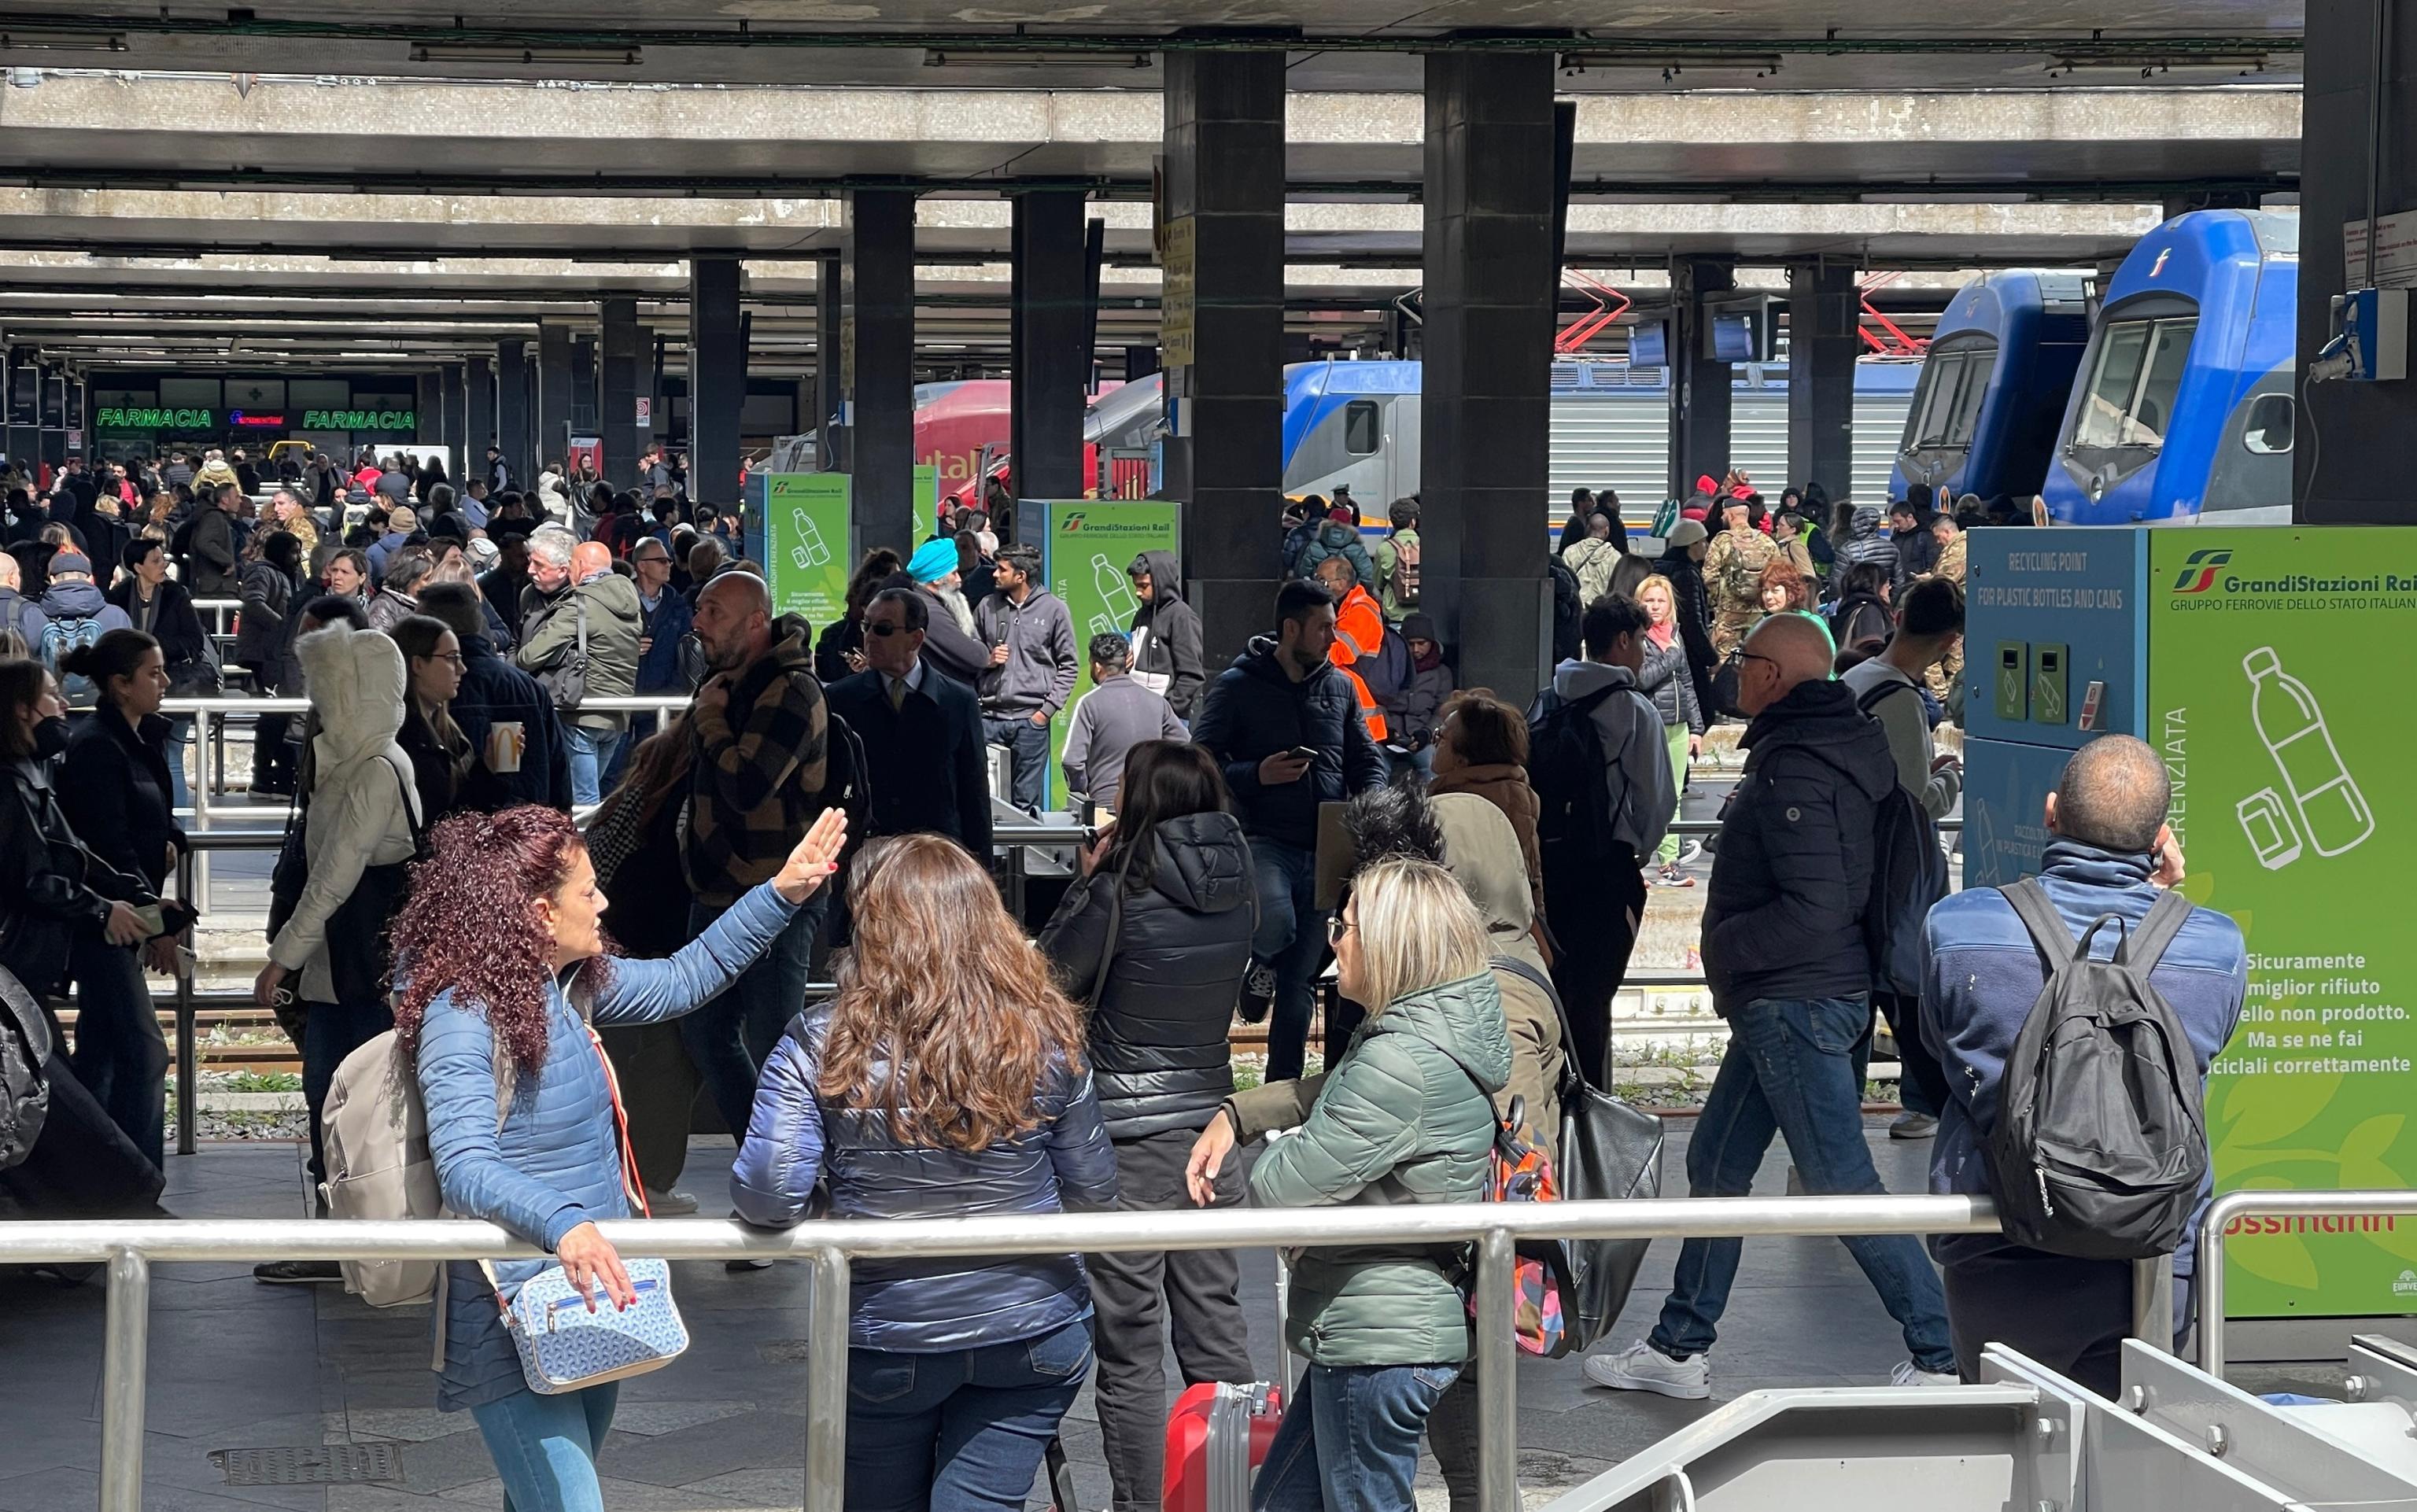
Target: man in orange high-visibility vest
x=1359 y=636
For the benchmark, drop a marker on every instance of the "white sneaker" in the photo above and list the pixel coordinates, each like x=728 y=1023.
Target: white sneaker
x=670 y=1204
x=1910 y=1374
x=1642 y=1368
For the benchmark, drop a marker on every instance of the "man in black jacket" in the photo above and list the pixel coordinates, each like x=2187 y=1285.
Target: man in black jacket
x=519 y=750
x=921 y=730
x=1166 y=658
x=1785 y=957
x=1283 y=723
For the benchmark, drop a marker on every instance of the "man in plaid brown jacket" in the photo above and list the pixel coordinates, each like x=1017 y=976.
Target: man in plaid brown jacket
x=755 y=784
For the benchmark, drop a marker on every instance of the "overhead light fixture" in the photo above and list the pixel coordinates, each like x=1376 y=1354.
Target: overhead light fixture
x=601 y=55
x=1672 y=68
x=2152 y=65
x=1037 y=57
x=16 y=38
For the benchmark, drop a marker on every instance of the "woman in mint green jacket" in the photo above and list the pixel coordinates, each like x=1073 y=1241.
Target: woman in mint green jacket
x=1405 y=1115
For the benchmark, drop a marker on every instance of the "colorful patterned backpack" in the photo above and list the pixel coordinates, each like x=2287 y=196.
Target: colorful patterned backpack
x=1518 y=1171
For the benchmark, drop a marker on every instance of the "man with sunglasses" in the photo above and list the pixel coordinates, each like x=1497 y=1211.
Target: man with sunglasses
x=1785 y=957
x=921 y=730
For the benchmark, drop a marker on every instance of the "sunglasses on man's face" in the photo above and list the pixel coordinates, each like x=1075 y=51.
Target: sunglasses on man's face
x=886 y=629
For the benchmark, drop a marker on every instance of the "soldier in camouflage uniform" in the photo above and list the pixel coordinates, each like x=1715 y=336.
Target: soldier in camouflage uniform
x=1733 y=566
x=1945 y=674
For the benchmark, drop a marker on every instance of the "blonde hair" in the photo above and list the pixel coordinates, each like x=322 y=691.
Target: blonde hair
x=1655 y=580
x=1416 y=929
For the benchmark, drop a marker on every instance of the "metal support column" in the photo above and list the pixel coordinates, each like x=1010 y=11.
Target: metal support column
x=827 y=1383
x=1699 y=387
x=478 y=387
x=1823 y=318
x=1497 y=1374
x=877 y=353
x=829 y=385
x=512 y=411
x=429 y=418
x=619 y=382
x=455 y=422
x=717 y=379
x=125 y=1344
x=552 y=443
x=1049 y=344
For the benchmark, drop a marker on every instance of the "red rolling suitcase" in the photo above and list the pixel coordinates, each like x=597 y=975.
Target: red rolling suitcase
x=1216 y=1438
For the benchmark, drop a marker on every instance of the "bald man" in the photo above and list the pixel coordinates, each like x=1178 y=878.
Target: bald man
x=2109 y=850
x=1784 y=952
x=17 y=612
x=582 y=643
x=756 y=784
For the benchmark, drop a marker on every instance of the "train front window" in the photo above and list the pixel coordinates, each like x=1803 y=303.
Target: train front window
x=2112 y=383
x=1360 y=428
x=1932 y=406
x=2152 y=412
x=2135 y=382
x=1978 y=368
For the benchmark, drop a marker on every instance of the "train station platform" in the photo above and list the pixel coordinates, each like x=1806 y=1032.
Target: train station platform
x=238 y=1365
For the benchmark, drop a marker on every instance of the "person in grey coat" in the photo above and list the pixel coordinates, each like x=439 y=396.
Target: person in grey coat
x=1117 y=714
x=1031 y=673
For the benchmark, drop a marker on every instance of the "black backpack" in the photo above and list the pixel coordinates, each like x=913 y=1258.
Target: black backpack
x=1909 y=877
x=1568 y=610
x=1565 y=767
x=24 y=1082
x=2099 y=1147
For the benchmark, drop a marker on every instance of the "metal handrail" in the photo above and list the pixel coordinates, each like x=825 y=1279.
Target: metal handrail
x=129 y=1248
x=2232 y=1206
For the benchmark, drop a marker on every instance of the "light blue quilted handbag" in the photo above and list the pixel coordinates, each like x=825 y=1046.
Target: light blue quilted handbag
x=564 y=1346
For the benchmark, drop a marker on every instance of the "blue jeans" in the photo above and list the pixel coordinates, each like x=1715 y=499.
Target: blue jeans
x=1349 y=1439
x=119 y=1055
x=731 y=1036
x=330 y=1032
x=1795 y=1069
x=961 y=1429
x=591 y=756
x=544 y=1447
x=180 y=736
x=1291 y=939
x=1028 y=752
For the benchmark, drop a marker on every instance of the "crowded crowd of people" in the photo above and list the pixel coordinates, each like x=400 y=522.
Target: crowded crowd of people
x=822 y=802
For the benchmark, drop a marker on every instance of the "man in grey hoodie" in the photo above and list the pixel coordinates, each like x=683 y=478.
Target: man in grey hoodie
x=1031 y=673
x=1117 y=714
x=1595 y=902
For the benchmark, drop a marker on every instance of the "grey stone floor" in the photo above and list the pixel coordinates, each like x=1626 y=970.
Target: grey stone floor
x=237 y=1364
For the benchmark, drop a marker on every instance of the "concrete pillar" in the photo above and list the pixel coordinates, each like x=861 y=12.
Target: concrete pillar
x=456 y=419
x=823 y=401
x=551 y=440
x=717 y=380
x=1049 y=344
x=1485 y=418
x=877 y=338
x=2358 y=472
x=584 y=414
x=1225 y=143
x=619 y=380
x=1823 y=315
x=1699 y=387
x=478 y=387
x=429 y=410
x=512 y=411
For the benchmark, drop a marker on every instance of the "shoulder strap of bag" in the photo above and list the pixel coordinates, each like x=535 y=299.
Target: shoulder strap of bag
x=2053 y=941
x=2154 y=932
x=579 y=609
x=1116 y=927
x=411 y=814
x=1570 y=1076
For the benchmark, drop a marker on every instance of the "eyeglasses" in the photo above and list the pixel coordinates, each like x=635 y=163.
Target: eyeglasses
x=1337 y=927
x=453 y=657
x=1757 y=656
x=886 y=630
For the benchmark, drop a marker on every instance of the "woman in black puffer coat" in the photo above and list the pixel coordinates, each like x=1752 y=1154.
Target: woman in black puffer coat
x=1155 y=939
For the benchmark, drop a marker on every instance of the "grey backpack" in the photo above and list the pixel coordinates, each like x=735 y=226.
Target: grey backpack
x=24 y=1082
x=2099 y=1147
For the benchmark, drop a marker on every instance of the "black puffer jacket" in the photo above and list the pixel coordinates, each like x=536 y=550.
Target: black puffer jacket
x=1782 y=916
x=1172 y=650
x=1253 y=711
x=1159 y=1052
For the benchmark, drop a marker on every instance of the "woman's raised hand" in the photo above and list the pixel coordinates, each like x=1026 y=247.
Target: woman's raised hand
x=814 y=859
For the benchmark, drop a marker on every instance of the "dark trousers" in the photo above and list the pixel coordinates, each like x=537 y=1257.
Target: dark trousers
x=1923 y=1086
x=1133 y=1296
x=332 y=1032
x=659 y=1085
x=1291 y=941
x=1027 y=753
x=272 y=754
x=730 y=1037
x=119 y=1055
x=2070 y=1315
x=81 y=1164
x=1594 y=920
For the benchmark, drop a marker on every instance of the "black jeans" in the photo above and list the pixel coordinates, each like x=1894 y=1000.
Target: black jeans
x=1133 y=1295
x=1595 y=920
x=1923 y=1086
x=2070 y=1315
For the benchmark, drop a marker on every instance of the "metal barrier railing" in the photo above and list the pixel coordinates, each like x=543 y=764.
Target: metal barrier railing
x=2232 y=1207
x=130 y=1248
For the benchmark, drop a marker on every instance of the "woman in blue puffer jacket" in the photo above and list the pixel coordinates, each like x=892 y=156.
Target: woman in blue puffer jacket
x=946 y=1079
x=495 y=1017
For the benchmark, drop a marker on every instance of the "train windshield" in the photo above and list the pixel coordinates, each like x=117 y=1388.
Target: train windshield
x=2131 y=390
x=1946 y=405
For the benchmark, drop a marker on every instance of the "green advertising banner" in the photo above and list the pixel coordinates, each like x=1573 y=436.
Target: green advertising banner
x=927 y=497
x=2289 y=801
x=1086 y=546
x=806 y=544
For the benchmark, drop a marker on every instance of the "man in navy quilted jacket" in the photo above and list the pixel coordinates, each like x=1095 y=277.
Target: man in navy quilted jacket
x=2109 y=852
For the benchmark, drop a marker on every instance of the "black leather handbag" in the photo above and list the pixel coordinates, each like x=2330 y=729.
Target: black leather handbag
x=1609 y=1151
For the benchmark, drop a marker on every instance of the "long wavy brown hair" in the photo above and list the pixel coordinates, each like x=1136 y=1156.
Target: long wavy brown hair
x=469 y=926
x=946 y=1019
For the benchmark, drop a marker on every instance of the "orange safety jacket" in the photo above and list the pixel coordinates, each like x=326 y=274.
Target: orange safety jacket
x=1360 y=632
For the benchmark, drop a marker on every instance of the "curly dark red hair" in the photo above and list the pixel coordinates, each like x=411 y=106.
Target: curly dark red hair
x=468 y=925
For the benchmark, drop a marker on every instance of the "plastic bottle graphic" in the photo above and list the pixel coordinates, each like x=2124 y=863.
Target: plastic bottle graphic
x=809 y=551
x=2334 y=815
x=1115 y=590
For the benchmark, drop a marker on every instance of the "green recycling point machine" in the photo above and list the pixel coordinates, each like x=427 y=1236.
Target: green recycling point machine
x=1086 y=546
x=2269 y=667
